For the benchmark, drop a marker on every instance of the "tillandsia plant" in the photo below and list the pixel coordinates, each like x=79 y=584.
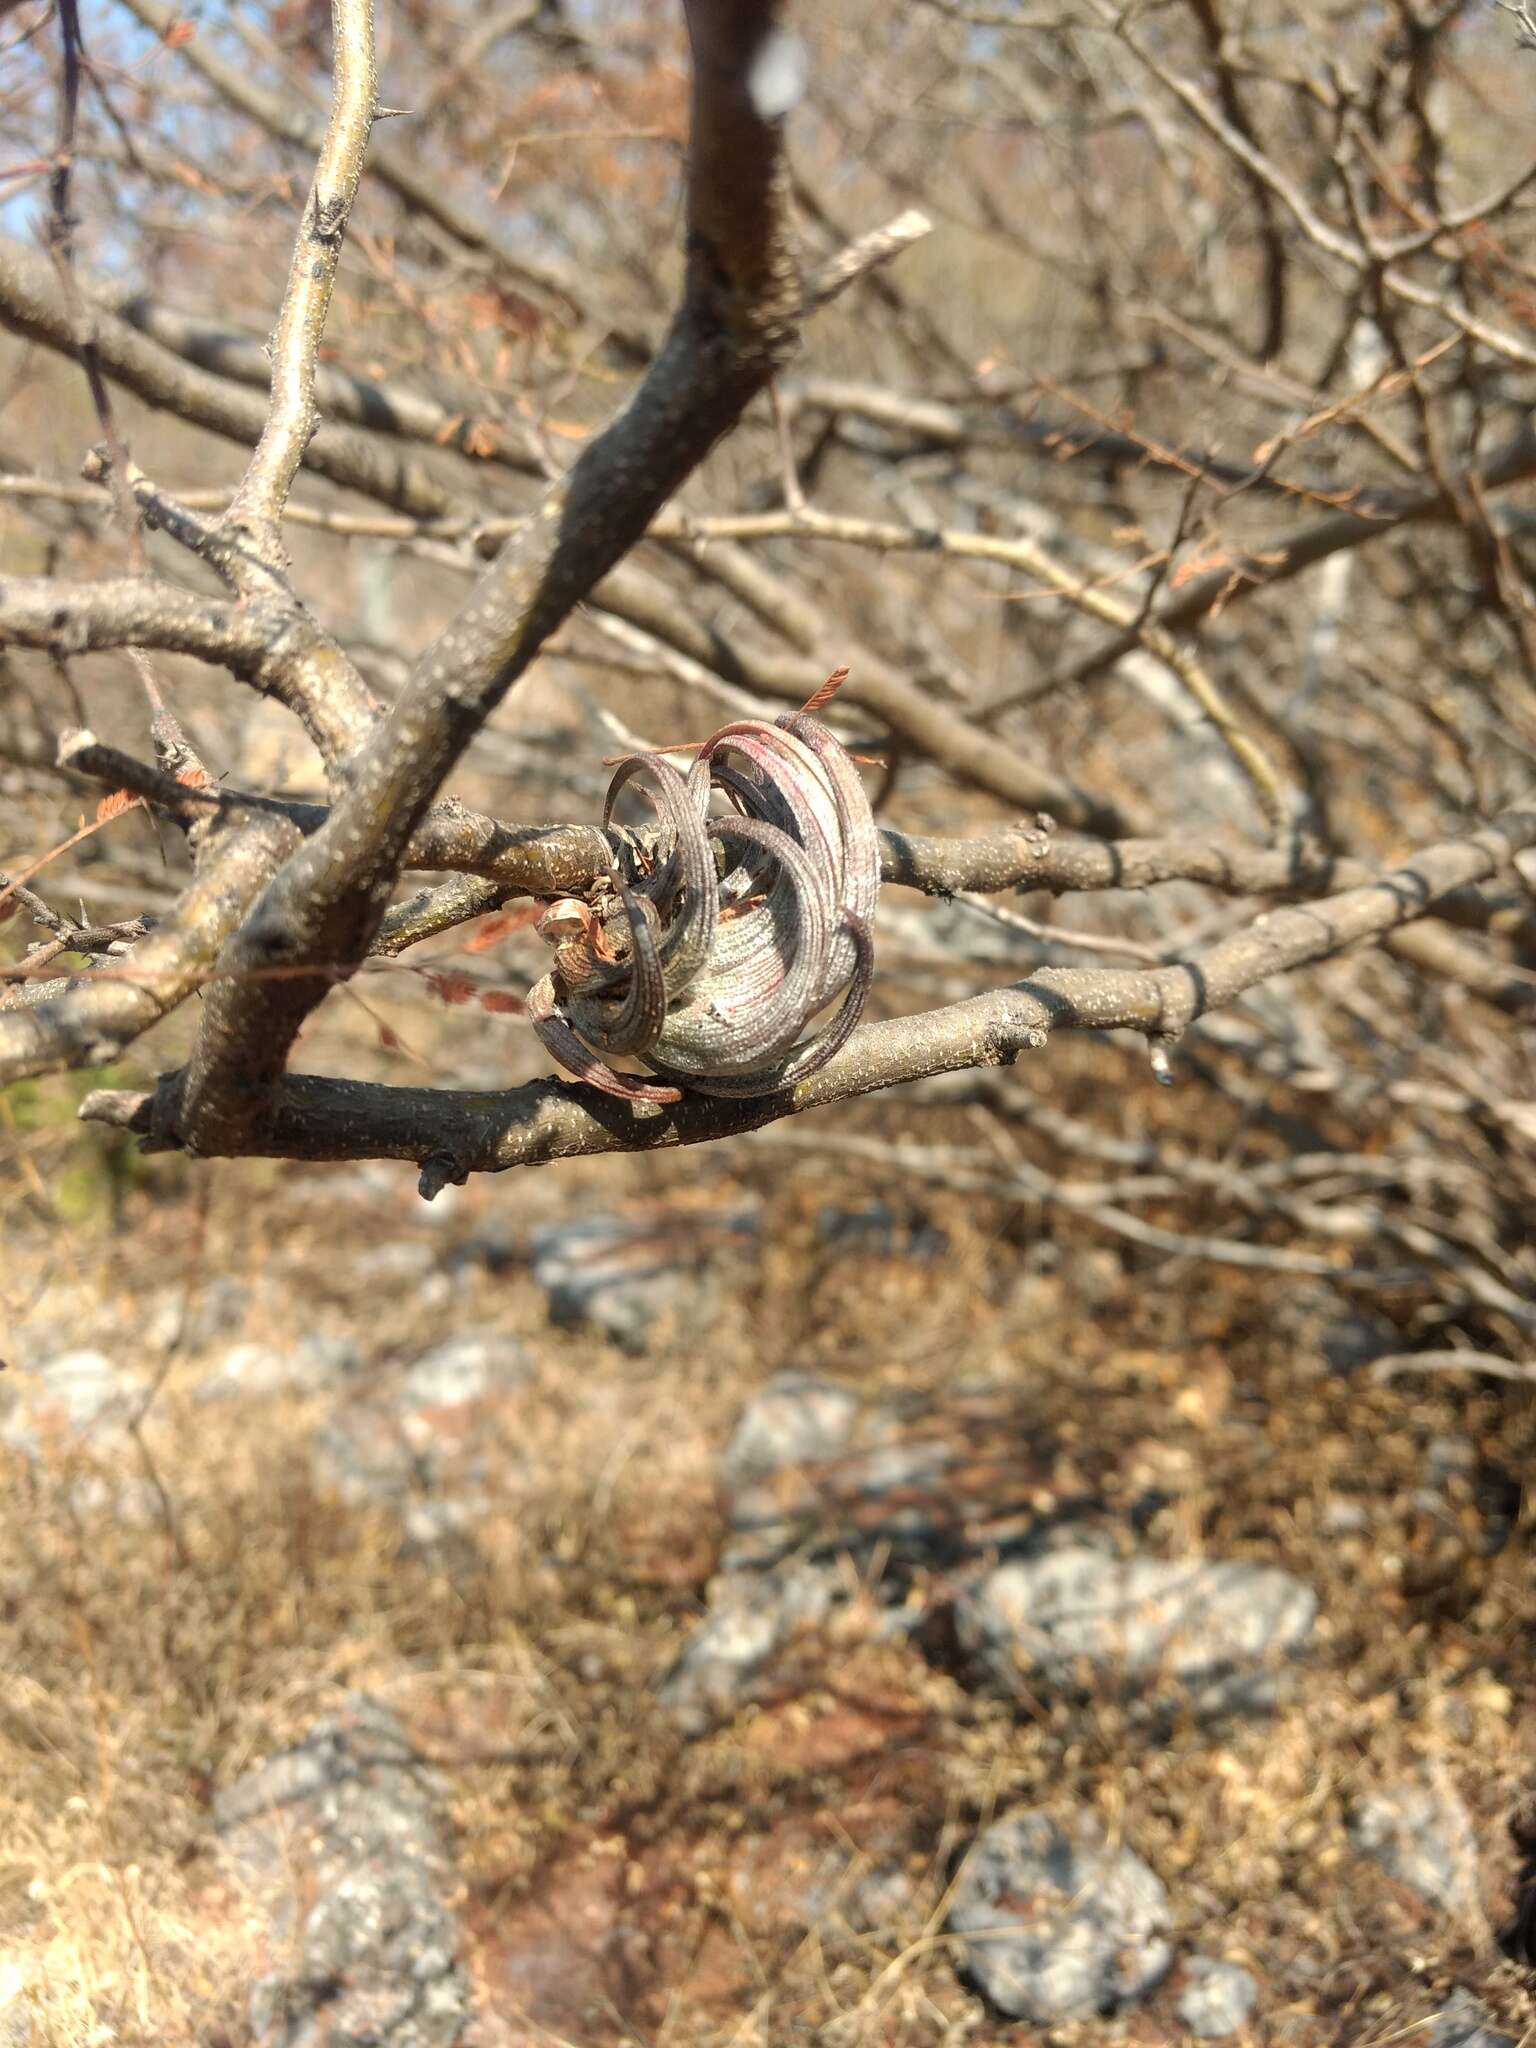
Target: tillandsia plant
x=716 y=940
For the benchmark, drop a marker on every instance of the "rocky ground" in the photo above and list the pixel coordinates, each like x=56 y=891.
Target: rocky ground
x=758 y=1612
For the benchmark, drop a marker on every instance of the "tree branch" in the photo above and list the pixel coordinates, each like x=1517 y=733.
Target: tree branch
x=292 y=416
x=451 y=1133
x=736 y=324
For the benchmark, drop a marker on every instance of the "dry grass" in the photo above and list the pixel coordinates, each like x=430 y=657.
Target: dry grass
x=620 y=1884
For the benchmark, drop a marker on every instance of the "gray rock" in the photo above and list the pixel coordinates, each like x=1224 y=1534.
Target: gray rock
x=343 y=1844
x=363 y=1455
x=375 y=1184
x=1216 y=1998
x=427 y=1453
x=193 y=1318
x=405 y=1266
x=751 y=1617
x=257 y=1371
x=81 y=1392
x=1450 y=1464
x=465 y=1368
x=1206 y=1634
x=797 y=1419
x=1353 y=1339
x=402 y=1261
x=1056 y=1924
x=917 y=1489
x=74 y=1417
x=881 y=1899
x=876 y=1231
x=627 y=1275
x=866 y=1895
x=1421 y=1834
x=1463 y=2023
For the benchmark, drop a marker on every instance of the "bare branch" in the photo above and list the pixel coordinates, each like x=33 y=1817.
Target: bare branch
x=32 y=305
x=98 y=1014
x=262 y=640
x=451 y=1133
x=292 y=418
x=420 y=191
x=736 y=324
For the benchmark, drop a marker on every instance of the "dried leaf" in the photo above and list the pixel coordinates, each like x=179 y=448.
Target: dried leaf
x=827 y=692
x=481 y=439
x=452 y=989
x=501 y=1002
x=493 y=929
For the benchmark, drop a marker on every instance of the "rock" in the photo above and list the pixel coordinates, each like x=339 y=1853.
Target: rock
x=80 y=1393
x=1056 y=1924
x=75 y=1418
x=405 y=1263
x=421 y=1453
x=1210 y=1634
x=404 y=1260
x=467 y=1367
x=1216 y=1998
x=1421 y=1834
x=343 y=1843
x=873 y=1901
x=193 y=1318
x=876 y=1231
x=914 y=1488
x=1463 y=2023
x=881 y=1899
x=1353 y=1339
x=1469 y=1496
x=751 y=1617
x=796 y=1419
x=376 y=1183
x=363 y=1455
x=493 y=1246
x=258 y=1371
x=627 y=1275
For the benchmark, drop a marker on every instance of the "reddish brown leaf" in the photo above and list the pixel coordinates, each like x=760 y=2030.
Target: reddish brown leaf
x=501 y=1002
x=827 y=692
x=493 y=929
x=452 y=989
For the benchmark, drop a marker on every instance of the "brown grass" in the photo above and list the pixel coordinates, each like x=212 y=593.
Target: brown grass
x=622 y=1885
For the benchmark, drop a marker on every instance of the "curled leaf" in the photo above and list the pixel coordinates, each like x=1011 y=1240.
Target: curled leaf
x=719 y=940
